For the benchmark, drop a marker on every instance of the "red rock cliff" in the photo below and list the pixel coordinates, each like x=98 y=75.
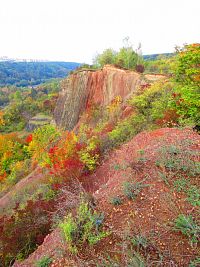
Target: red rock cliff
x=99 y=87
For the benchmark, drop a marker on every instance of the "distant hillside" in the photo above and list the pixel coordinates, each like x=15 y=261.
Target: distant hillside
x=33 y=73
x=155 y=56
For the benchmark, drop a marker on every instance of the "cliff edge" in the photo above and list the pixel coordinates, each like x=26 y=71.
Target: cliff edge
x=87 y=87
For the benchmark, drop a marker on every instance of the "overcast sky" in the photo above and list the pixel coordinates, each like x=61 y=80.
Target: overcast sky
x=75 y=30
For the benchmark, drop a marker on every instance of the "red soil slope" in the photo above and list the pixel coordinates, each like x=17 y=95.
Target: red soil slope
x=151 y=214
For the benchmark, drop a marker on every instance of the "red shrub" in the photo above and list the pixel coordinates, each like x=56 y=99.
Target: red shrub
x=64 y=158
x=29 y=138
x=24 y=230
x=145 y=86
x=139 y=68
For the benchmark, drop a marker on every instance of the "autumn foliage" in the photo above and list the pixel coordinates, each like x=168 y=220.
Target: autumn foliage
x=169 y=119
x=40 y=142
x=63 y=156
x=29 y=138
x=13 y=151
x=22 y=231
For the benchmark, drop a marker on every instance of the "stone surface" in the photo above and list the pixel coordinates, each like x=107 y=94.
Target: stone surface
x=87 y=87
x=38 y=121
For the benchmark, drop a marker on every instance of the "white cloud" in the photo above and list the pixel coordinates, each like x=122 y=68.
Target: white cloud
x=76 y=30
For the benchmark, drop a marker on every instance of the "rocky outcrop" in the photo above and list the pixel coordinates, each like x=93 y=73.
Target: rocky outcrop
x=38 y=121
x=87 y=87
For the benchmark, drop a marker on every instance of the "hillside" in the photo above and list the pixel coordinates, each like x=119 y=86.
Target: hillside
x=33 y=73
x=139 y=219
x=156 y=56
x=23 y=108
x=113 y=179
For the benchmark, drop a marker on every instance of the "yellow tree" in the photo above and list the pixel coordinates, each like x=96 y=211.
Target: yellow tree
x=2 y=122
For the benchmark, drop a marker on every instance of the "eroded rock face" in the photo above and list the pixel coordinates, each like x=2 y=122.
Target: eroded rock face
x=88 y=87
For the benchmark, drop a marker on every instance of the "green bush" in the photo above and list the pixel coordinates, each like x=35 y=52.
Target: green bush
x=149 y=107
x=140 y=241
x=85 y=227
x=127 y=128
x=44 y=262
x=193 y=195
x=188 y=227
x=132 y=189
x=153 y=101
x=195 y=262
x=186 y=102
x=89 y=155
x=181 y=184
x=116 y=201
x=187 y=70
x=186 y=95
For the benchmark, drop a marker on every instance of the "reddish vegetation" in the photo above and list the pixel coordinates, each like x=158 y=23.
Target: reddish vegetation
x=126 y=112
x=170 y=118
x=29 y=138
x=150 y=214
x=140 y=68
x=32 y=222
x=64 y=156
x=28 y=184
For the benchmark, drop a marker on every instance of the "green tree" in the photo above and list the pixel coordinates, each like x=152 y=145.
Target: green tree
x=187 y=71
x=126 y=58
x=107 y=57
x=186 y=96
